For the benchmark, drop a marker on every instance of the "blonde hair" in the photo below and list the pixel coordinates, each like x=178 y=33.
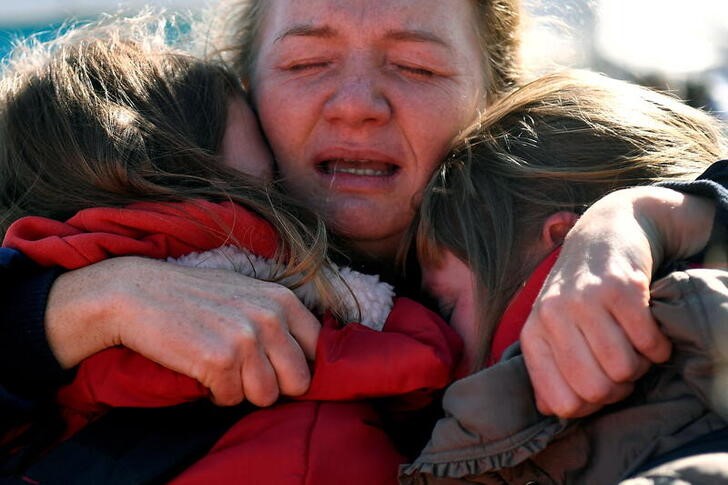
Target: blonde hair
x=558 y=143
x=237 y=25
x=108 y=115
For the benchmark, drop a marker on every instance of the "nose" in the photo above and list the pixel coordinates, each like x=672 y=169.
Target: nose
x=359 y=99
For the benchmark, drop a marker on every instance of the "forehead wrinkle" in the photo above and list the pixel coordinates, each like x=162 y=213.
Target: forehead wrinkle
x=416 y=35
x=398 y=35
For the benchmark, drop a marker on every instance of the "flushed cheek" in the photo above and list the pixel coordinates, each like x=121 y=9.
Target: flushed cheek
x=288 y=122
x=434 y=114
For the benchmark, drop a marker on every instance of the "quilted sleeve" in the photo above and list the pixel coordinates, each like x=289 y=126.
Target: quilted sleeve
x=416 y=352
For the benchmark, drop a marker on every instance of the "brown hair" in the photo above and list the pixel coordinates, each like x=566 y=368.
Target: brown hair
x=498 y=24
x=558 y=143
x=108 y=115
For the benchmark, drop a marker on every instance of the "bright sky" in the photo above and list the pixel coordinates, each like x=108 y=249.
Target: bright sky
x=20 y=12
x=674 y=37
x=670 y=36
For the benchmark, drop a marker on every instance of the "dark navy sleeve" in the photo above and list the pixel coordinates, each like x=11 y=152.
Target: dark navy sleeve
x=713 y=183
x=28 y=368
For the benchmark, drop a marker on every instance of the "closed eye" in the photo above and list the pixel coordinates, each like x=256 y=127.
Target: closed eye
x=417 y=71
x=445 y=308
x=305 y=66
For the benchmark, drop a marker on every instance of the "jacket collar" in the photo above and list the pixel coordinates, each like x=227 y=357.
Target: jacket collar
x=516 y=314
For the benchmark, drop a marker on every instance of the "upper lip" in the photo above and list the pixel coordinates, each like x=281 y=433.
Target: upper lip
x=354 y=154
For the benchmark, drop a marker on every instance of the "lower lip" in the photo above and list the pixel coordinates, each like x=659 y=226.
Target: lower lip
x=351 y=182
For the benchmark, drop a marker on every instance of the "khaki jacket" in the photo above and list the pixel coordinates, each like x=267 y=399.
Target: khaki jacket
x=493 y=434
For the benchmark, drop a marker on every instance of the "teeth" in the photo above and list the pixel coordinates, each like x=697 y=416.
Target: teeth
x=346 y=167
x=360 y=171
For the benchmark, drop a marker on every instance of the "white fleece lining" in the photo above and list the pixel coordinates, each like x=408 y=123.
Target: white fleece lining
x=374 y=297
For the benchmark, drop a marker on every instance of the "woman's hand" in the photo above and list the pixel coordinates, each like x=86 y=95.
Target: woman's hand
x=239 y=337
x=591 y=334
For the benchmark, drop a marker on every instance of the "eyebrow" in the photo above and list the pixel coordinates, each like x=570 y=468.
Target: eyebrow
x=327 y=32
x=306 y=30
x=416 y=36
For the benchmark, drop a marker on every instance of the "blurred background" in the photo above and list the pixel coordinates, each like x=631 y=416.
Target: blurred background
x=670 y=45
x=667 y=44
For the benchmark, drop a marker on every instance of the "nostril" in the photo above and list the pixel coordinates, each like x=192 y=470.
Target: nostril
x=356 y=101
x=353 y=113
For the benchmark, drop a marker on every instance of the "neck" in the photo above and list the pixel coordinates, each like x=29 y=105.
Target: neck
x=404 y=275
x=375 y=256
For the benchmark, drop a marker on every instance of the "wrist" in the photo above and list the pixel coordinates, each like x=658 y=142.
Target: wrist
x=676 y=225
x=622 y=228
x=83 y=310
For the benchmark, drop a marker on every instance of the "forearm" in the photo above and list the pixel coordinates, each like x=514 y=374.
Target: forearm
x=649 y=225
x=591 y=332
x=236 y=336
x=677 y=225
x=80 y=309
x=713 y=185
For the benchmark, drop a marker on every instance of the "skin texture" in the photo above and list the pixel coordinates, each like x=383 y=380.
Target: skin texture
x=241 y=338
x=347 y=85
x=243 y=147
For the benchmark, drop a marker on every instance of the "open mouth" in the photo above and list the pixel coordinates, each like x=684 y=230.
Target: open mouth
x=361 y=168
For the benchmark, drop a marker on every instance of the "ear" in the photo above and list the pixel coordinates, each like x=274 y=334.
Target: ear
x=555 y=228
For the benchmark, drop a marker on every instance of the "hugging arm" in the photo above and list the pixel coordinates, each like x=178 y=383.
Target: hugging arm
x=412 y=357
x=28 y=367
x=591 y=334
x=239 y=337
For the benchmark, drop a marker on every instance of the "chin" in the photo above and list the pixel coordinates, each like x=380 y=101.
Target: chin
x=354 y=225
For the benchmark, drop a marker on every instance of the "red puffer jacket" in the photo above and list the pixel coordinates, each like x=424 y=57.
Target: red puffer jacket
x=330 y=435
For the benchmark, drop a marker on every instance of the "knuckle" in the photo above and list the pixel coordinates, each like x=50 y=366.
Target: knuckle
x=544 y=408
x=218 y=361
x=535 y=351
x=637 y=279
x=595 y=393
x=548 y=310
x=529 y=344
x=622 y=370
x=281 y=295
x=240 y=341
x=227 y=399
x=647 y=341
x=264 y=399
x=620 y=365
x=565 y=408
x=268 y=319
x=630 y=286
x=551 y=319
x=653 y=345
x=298 y=386
x=264 y=389
x=226 y=392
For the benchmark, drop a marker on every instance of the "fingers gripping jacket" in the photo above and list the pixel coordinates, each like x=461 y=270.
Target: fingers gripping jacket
x=366 y=299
